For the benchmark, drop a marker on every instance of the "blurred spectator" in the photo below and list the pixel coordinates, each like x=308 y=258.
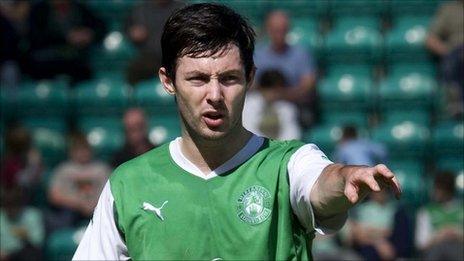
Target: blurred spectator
x=22 y=164
x=293 y=61
x=137 y=142
x=13 y=36
x=22 y=228
x=273 y=119
x=76 y=185
x=446 y=40
x=353 y=150
x=380 y=230
x=439 y=225
x=61 y=33
x=144 y=28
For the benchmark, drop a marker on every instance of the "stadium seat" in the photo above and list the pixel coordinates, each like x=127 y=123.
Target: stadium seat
x=49 y=137
x=361 y=7
x=151 y=96
x=359 y=119
x=404 y=139
x=7 y=104
x=105 y=135
x=111 y=10
x=62 y=244
x=354 y=39
x=114 y=54
x=103 y=96
x=42 y=98
x=407 y=90
x=164 y=129
x=346 y=90
x=298 y=8
x=416 y=116
x=304 y=31
x=448 y=139
x=416 y=7
x=406 y=41
x=326 y=136
x=413 y=180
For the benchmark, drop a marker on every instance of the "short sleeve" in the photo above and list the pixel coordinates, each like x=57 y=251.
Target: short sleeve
x=101 y=240
x=304 y=168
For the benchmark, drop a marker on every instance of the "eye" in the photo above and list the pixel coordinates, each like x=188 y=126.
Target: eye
x=198 y=80
x=230 y=79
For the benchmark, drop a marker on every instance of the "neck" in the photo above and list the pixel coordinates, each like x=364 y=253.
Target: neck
x=207 y=155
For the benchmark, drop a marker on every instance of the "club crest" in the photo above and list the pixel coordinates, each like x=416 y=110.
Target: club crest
x=254 y=205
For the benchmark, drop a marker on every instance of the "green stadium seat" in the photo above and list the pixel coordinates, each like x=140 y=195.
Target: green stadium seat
x=103 y=96
x=111 y=10
x=361 y=7
x=151 y=96
x=415 y=7
x=254 y=11
x=416 y=116
x=406 y=41
x=448 y=139
x=49 y=137
x=424 y=68
x=114 y=54
x=298 y=8
x=404 y=139
x=164 y=129
x=7 y=104
x=104 y=134
x=354 y=39
x=359 y=119
x=326 y=136
x=413 y=180
x=345 y=90
x=43 y=98
x=304 y=31
x=62 y=244
x=412 y=90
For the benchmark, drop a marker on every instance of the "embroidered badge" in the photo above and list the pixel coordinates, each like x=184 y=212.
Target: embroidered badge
x=254 y=205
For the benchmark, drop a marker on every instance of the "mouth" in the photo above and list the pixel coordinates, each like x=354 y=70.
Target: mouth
x=213 y=119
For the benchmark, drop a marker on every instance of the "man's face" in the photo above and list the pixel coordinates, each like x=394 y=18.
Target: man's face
x=210 y=93
x=135 y=127
x=277 y=29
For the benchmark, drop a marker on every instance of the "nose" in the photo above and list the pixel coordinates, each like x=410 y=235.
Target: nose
x=215 y=94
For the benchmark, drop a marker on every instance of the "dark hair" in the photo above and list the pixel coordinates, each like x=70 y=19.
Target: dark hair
x=349 y=132
x=272 y=78
x=201 y=30
x=445 y=180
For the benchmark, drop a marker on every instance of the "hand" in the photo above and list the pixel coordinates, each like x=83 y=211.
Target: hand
x=363 y=180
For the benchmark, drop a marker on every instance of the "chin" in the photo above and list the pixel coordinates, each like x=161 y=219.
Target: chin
x=209 y=134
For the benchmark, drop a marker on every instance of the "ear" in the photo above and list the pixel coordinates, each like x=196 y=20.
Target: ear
x=167 y=82
x=251 y=78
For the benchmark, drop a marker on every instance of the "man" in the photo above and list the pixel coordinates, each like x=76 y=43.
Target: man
x=219 y=192
x=137 y=142
x=445 y=39
x=292 y=60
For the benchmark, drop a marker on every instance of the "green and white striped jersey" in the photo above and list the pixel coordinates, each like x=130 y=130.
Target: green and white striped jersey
x=255 y=206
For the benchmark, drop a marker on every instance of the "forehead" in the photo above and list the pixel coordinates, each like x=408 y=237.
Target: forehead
x=227 y=59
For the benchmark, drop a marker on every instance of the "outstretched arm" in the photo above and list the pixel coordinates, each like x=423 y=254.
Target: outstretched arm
x=339 y=187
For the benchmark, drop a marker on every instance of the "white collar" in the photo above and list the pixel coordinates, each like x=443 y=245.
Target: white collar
x=252 y=146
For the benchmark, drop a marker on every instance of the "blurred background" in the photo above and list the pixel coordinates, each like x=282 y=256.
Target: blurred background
x=368 y=81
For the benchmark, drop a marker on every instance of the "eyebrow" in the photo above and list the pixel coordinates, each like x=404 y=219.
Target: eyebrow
x=196 y=72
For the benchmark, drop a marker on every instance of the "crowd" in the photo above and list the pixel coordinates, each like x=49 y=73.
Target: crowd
x=46 y=39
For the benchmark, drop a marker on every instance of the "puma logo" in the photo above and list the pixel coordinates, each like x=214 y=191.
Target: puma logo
x=149 y=207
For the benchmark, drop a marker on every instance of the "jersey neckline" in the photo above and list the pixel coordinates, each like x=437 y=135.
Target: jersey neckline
x=252 y=146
